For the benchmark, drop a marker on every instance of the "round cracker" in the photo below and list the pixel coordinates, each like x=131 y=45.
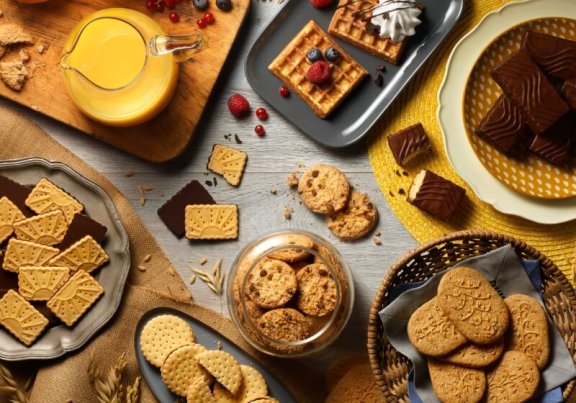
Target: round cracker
x=181 y=368
x=163 y=334
x=253 y=387
x=199 y=392
x=224 y=367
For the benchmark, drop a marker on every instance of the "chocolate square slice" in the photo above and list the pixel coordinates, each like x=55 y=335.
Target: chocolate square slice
x=81 y=226
x=569 y=92
x=17 y=194
x=172 y=212
x=527 y=86
x=435 y=194
x=555 y=145
x=555 y=56
x=503 y=126
x=408 y=143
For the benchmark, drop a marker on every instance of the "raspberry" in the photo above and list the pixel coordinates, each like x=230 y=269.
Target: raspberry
x=238 y=105
x=320 y=3
x=318 y=72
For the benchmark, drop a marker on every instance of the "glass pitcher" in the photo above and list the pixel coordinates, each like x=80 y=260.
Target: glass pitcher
x=120 y=68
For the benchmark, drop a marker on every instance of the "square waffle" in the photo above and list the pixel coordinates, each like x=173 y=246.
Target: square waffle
x=291 y=65
x=350 y=28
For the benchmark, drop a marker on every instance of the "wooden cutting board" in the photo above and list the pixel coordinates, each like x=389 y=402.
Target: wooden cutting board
x=165 y=136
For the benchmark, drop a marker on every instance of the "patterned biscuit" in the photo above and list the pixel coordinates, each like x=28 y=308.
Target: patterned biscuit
x=271 y=283
x=253 y=386
x=181 y=368
x=23 y=253
x=211 y=221
x=355 y=220
x=46 y=229
x=528 y=328
x=9 y=214
x=472 y=305
x=199 y=392
x=36 y=283
x=515 y=378
x=293 y=254
x=431 y=332
x=316 y=290
x=46 y=197
x=163 y=334
x=21 y=318
x=357 y=385
x=74 y=299
x=86 y=255
x=452 y=383
x=324 y=189
x=284 y=324
x=475 y=355
x=223 y=367
x=338 y=369
x=228 y=162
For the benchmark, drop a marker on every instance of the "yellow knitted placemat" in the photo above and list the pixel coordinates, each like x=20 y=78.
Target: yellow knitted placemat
x=419 y=103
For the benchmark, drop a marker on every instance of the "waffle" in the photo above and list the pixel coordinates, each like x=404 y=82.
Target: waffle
x=291 y=65
x=352 y=29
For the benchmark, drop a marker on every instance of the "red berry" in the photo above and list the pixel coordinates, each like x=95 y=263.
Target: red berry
x=170 y=4
x=238 y=105
x=284 y=91
x=318 y=72
x=174 y=17
x=202 y=23
x=151 y=5
x=320 y=3
x=160 y=6
x=261 y=114
x=259 y=130
x=209 y=17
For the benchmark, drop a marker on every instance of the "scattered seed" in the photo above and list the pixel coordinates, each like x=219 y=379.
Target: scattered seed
x=192 y=279
x=142 y=195
x=141 y=268
x=147 y=258
x=377 y=241
x=292 y=180
x=288 y=213
x=147 y=188
x=203 y=260
x=273 y=191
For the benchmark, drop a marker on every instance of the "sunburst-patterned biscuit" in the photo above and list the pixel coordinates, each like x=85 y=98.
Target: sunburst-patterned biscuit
x=9 y=214
x=75 y=297
x=21 y=318
x=86 y=255
x=37 y=283
x=24 y=253
x=228 y=162
x=46 y=229
x=46 y=196
x=211 y=221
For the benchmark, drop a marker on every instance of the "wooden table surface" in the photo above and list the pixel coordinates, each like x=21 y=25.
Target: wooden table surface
x=270 y=160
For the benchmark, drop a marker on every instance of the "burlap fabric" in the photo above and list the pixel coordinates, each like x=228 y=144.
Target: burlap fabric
x=66 y=379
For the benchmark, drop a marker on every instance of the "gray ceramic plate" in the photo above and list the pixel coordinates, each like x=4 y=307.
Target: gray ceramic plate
x=61 y=339
x=360 y=111
x=208 y=338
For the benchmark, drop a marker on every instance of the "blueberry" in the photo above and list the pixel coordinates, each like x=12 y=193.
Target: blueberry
x=332 y=54
x=314 y=55
x=200 y=4
x=224 y=5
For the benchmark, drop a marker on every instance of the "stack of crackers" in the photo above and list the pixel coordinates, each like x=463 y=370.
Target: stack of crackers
x=478 y=344
x=190 y=370
x=52 y=266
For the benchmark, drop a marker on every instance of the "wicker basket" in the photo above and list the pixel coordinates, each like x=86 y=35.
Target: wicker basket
x=391 y=368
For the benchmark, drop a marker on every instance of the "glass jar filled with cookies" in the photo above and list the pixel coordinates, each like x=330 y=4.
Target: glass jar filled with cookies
x=290 y=293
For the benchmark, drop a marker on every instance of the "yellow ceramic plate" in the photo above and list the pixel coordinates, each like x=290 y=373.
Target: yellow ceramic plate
x=530 y=175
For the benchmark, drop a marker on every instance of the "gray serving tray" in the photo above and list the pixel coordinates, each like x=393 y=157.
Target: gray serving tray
x=208 y=338
x=352 y=120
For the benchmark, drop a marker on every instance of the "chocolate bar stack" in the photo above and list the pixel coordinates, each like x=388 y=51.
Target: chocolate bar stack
x=537 y=108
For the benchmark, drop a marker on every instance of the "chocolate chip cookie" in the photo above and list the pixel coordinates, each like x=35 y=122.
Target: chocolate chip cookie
x=324 y=189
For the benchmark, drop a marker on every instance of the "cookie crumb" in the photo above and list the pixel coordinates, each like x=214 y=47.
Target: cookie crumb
x=41 y=47
x=377 y=241
x=378 y=233
x=237 y=139
x=288 y=213
x=273 y=191
x=147 y=188
x=14 y=74
x=129 y=174
x=219 y=345
x=203 y=260
x=24 y=55
x=401 y=191
x=292 y=180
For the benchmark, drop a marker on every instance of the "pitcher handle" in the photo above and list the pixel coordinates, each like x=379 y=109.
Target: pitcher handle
x=181 y=46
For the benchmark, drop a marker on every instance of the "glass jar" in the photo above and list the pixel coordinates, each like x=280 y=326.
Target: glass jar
x=290 y=293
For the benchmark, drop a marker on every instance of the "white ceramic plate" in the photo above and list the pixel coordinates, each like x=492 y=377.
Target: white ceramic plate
x=450 y=112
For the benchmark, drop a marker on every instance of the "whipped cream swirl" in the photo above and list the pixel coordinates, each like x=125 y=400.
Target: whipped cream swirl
x=396 y=19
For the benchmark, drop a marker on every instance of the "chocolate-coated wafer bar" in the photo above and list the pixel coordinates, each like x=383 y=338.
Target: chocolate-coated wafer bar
x=555 y=56
x=503 y=126
x=408 y=143
x=435 y=194
x=569 y=92
x=555 y=145
x=527 y=86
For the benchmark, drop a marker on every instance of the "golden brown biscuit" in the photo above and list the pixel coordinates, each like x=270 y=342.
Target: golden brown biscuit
x=228 y=162
x=46 y=197
x=272 y=283
x=293 y=254
x=316 y=290
x=181 y=368
x=452 y=383
x=324 y=189
x=355 y=220
x=223 y=367
x=284 y=324
x=46 y=229
x=357 y=385
x=475 y=355
x=36 y=283
x=23 y=253
x=514 y=379
x=21 y=319
x=211 y=221
x=9 y=214
x=86 y=255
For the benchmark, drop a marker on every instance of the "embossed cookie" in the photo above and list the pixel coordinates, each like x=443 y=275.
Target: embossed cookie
x=37 y=283
x=357 y=385
x=23 y=253
x=528 y=328
x=46 y=229
x=355 y=220
x=223 y=367
x=228 y=162
x=21 y=318
x=294 y=254
x=284 y=324
x=86 y=255
x=272 y=283
x=324 y=189
x=316 y=290
x=211 y=221
x=9 y=214
x=181 y=369
x=46 y=197
x=253 y=386
x=475 y=355
x=472 y=305
x=515 y=378
x=452 y=383
x=431 y=332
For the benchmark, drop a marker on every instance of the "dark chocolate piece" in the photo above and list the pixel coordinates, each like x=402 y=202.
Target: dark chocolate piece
x=569 y=92
x=555 y=145
x=17 y=194
x=172 y=212
x=525 y=84
x=408 y=143
x=555 y=56
x=503 y=126
x=435 y=194
x=81 y=226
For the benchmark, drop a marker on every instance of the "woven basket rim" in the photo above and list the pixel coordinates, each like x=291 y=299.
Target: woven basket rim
x=373 y=318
